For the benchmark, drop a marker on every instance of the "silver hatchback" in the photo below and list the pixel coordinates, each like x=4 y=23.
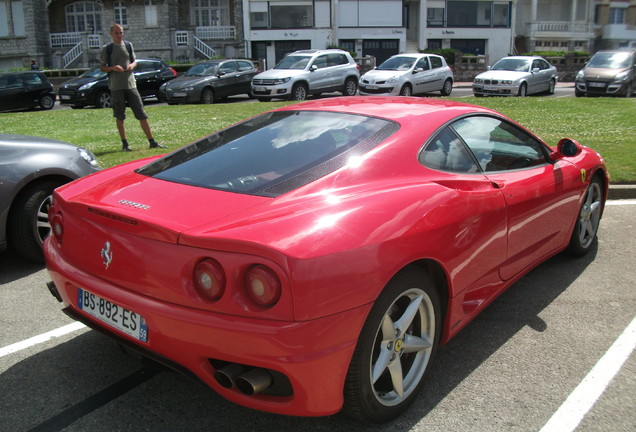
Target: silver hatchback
x=408 y=74
x=30 y=168
x=306 y=72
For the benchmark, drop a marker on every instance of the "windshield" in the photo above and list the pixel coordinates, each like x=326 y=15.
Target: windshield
x=610 y=60
x=202 y=69
x=397 y=64
x=94 y=73
x=293 y=62
x=273 y=153
x=508 y=64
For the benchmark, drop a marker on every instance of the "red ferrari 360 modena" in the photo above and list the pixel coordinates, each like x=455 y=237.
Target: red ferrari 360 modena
x=311 y=259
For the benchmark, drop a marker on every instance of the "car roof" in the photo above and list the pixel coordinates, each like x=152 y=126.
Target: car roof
x=317 y=51
x=396 y=108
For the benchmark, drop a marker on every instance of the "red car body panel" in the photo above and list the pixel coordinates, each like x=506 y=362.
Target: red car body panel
x=334 y=243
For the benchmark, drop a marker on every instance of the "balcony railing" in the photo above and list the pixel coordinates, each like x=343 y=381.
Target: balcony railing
x=559 y=27
x=216 y=32
x=59 y=40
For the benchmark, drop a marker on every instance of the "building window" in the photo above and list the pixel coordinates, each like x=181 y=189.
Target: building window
x=211 y=13
x=17 y=12
x=617 y=15
x=150 y=13
x=259 y=18
x=433 y=44
x=435 y=17
x=501 y=16
x=121 y=15
x=292 y=16
x=83 y=16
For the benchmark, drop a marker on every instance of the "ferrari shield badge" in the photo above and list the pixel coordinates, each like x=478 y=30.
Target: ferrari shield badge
x=583 y=175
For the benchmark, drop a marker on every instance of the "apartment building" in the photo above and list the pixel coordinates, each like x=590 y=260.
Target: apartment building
x=70 y=33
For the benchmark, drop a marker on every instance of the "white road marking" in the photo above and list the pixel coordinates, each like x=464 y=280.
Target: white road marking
x=620 y=202
x=585 y=395
x=35 y=340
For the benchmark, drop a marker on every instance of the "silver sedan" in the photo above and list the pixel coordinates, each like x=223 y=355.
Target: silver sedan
x=516 y=76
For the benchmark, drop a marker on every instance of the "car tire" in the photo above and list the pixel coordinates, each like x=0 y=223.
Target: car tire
x=395 y=347
x=523 y=90
x=578 y=93
x=299 y=92
x=47 y=102
x=551 y=86
x=406 y=90
x=102 y=100
x=350 y=87
x=447 y=88
x=588 y=219
x=29 y=220
x=207 y=96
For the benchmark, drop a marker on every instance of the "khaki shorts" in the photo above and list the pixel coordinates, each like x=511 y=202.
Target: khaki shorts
x=119 y=98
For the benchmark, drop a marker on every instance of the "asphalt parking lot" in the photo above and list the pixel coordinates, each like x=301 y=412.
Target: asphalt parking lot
x=546 y=349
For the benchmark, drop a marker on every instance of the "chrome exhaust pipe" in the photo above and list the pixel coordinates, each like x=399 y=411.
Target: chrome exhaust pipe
x=254 y=381
x=228 y=375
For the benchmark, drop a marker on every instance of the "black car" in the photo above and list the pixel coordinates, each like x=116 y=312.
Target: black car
x=91 y=88
x=210 y=81
x=20 y=90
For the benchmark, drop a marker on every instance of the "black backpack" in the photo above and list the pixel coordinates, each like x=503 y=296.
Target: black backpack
x=109 y=51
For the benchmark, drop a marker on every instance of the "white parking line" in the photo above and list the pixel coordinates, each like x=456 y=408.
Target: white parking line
x=18 y=346
x=620 y=202
x=585 y=395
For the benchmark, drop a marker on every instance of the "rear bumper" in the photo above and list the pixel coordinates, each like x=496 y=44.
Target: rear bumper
x=314 y=356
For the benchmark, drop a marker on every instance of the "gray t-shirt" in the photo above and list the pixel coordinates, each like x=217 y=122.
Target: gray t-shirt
x=121 y=57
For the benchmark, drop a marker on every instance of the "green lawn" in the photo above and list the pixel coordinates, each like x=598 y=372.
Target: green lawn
x=606 y=124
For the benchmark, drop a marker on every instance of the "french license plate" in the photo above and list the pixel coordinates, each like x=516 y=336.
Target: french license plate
x=260 y=89
x=491 y=87
x=596 y=84
x=112 y=314
x=180 y=94
x=372 y=87
x=65 y=97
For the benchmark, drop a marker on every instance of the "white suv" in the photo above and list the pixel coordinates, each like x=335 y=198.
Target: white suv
x=409 y=74
x=308 y=72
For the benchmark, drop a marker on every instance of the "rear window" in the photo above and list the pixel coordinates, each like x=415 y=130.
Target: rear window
x=273 y=153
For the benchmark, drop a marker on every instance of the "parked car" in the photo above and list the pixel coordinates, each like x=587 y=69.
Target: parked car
x=313 y=257
x=608 y=73
x=30 y=168
x=210 y=81
x=22 y=90
x=408 y=74
x=91 y=88
x=516 y=76
x=306 y=72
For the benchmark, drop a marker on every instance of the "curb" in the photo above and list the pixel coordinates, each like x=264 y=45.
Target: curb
x=618 y=192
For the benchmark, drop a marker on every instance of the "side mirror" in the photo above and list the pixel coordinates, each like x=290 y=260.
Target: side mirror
x=220 y=74
x=566 y=148
x=535 y=70
x=313 y=68
x=418 y=70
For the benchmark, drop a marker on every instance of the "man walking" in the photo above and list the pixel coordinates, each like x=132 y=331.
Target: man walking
x=117 y=58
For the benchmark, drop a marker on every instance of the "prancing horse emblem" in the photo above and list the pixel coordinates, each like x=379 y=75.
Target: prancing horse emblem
x=107 y=255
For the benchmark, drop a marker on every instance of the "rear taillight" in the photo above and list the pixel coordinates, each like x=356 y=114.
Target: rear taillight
x=209 y=279
x=174 y=72
x=263 y=286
